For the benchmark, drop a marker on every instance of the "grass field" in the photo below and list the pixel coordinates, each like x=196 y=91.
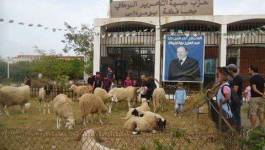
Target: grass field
x=33 y=118
x=187 y=122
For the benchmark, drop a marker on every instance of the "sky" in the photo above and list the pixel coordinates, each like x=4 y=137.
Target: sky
x=17 y=39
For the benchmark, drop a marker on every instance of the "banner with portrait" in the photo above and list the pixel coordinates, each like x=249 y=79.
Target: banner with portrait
x=183 y=59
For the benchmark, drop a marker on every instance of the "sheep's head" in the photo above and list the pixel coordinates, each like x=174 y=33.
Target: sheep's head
x=27 y=106
x=114 y=98
x=72 y=87
x=144 y=100
x=70 y=123
x=109 y=97
x=136 y=113
x=161 y=124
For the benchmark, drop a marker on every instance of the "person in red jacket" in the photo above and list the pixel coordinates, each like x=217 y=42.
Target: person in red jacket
x=128 y=82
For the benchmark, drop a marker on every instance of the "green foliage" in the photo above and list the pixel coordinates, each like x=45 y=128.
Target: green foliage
x=178 y=133
x=81 y=41
x=62 y=80
x=19 y=70
x=175 y=135
x=57 y=68
x=3 y=69
x=88 y=66
x=256 y=139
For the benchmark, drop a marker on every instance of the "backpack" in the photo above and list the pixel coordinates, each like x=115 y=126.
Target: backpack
x=229 y=103
x=235 y=100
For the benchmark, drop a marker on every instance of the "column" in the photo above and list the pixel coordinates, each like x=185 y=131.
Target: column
x=223 y=46
x=158 y=54
x=96 y=52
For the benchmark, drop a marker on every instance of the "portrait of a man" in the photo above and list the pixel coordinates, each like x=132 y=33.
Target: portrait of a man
x=183 y=67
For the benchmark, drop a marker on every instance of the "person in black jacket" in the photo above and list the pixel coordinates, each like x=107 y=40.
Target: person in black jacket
x=91 y=79
x=150 y=87
x=98 y=82
x=184 y=68
x=236 y=85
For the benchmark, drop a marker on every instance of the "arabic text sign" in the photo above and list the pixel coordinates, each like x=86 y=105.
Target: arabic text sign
x=150 y=8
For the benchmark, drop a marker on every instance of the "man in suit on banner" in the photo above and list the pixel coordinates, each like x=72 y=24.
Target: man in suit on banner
x=184 y=68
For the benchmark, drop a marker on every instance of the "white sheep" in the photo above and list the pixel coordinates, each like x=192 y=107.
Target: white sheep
x=141 y=91
x=11 y=96
x=120 y=94
x=138 y=110
x=91 y=104
x=80 y=90
x=88 y=141
x=147 y=122
x=159 y=97
x=62 y=106
x=44 y=99
x=103 y=94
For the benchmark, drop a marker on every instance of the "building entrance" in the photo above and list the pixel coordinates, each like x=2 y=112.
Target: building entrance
x=133 y=61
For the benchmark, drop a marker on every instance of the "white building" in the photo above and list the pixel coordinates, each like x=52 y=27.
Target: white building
x=132 y=41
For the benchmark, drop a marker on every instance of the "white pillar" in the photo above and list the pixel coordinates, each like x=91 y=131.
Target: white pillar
x=96 y=52
x=158 y=54
x=223 y=46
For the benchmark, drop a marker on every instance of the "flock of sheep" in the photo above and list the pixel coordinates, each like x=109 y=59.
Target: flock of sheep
x=98 y=102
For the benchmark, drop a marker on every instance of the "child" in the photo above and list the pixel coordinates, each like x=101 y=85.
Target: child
x=128 y=82
x=247 y=96
x=180 y=97
x=247 y=93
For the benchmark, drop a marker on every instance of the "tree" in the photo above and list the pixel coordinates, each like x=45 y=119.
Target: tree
x=19 y=70
x=3 y=69
x=55 y=67
x=81 y=42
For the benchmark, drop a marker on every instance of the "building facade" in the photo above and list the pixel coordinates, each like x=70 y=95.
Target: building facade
x=134 y=45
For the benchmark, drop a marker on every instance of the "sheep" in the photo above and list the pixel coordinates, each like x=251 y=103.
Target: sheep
x=103 y=94
x=62 y=107
x=11 y=96
x=119 y=94
x=141 y=91
x=138 y=111
x=88 y=141
x=80 y=90
x=45 y=98
x=159 y=97
x=148 y=122
x=91 y=104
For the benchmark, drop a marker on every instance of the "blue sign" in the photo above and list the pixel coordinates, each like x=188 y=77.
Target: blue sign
x=183 y=58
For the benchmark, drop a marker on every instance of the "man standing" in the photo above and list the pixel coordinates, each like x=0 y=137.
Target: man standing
x=257 y=96
x=110 y=74
x=184 y=68
x=98 y=81
x=236 y=85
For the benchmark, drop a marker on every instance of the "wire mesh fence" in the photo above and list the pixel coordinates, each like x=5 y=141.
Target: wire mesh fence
x=33 y=139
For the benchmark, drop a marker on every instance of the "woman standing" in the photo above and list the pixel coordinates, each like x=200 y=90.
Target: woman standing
x=223 y=96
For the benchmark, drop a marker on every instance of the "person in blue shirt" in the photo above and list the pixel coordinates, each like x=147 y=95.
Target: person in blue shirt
x=180 y=98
